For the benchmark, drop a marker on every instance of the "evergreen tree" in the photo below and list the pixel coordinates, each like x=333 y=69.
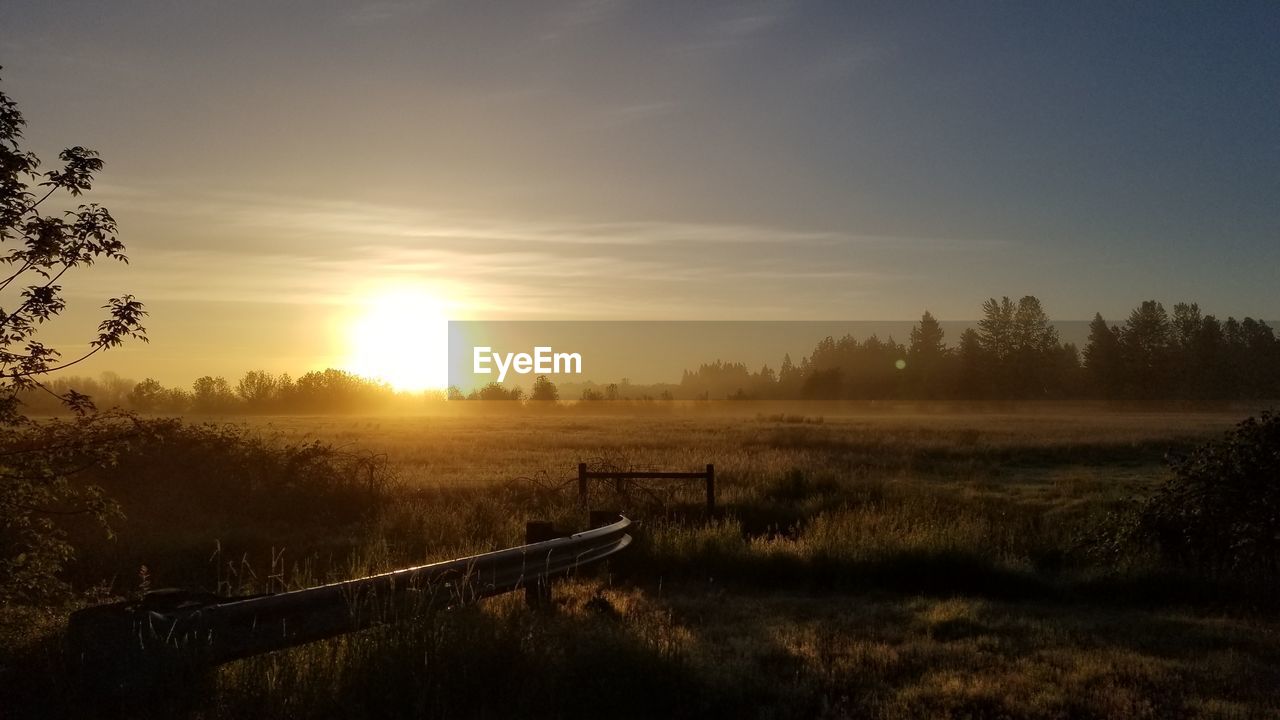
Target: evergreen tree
x=1184 y=329
x=926 y=358
x=790 y=378
x=1208 y=359
x=1035 y=353
x=974 y=366
x=1260 y=357
x=926 y=338
x=995 y=329
x=1145 y=346
x=1185 y=325
x=1102 y=359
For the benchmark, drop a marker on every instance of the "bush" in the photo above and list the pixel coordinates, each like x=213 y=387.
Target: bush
x=40 y=495
x=1221 y=511
x=167 y=490
x=211 y=473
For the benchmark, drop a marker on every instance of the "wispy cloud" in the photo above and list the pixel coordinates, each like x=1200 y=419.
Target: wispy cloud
x=579 y=15
x=381 y=11
x=848 y=60
x=744 y=26
x=632 y=113
x=288 y=250
x=726 y=32
x=286 y=218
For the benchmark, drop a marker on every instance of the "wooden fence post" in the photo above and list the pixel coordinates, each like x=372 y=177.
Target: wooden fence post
x=582 y=485
x=711 y=489
x=537 y=591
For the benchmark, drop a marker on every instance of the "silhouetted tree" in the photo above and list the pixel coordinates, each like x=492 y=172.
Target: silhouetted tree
x=974 y=366
x=927 y=358
x=1260 y=360
x=258 y=389
x=996 y=329
x=38 y=251
x=823 y=385
x=212 y=395
x=1144 y=345
x=1184 y=329
x=147 y=396
x=1185 y=325
x=544 y=390
x=1102 y=358
x=1036 y=353
x=495 y=391
x=1020 y=348
x=1208 y=357
x=790 y=378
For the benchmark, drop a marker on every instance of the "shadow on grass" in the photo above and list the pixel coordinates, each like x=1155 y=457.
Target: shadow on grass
x=724 y=555
x=888 y=452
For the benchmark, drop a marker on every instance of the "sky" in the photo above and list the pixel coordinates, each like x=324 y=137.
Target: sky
x=278 y=167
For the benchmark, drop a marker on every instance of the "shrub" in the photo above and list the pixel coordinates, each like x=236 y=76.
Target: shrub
x=1221 y=510
x=168 y=490
x=230 y=471
x=40 y=494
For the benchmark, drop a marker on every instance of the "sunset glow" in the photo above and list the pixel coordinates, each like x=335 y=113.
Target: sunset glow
x=401 y=338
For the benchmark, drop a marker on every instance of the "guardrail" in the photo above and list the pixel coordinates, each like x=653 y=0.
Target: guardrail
x=131 y=644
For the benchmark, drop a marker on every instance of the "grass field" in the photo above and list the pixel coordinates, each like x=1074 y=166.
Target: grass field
x=866 y=562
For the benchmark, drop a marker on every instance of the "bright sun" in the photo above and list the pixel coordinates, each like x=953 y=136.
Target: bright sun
x=402 y=338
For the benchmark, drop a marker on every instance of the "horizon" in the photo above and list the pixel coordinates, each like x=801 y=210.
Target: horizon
x=651 y=366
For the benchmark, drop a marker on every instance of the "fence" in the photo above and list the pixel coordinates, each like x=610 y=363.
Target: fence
x=585 y=477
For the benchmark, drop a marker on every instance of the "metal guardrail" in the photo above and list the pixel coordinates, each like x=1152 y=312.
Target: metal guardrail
x=130 y=644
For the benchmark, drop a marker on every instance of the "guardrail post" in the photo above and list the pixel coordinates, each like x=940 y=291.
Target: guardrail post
x=600 y=518
x=711 y=489
x=582 y=484
x=537 y=592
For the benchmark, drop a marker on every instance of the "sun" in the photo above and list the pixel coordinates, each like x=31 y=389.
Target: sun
x=401 y=338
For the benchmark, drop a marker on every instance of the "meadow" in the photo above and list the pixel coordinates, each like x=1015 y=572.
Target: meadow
x=890 y=561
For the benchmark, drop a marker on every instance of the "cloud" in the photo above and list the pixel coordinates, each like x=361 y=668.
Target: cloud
x=580 y=15
x=633 y=113
x=850 y=59
x=231 y=247
x=744 y=26
x=308 y=219
x=381 y=11
x=728 y=32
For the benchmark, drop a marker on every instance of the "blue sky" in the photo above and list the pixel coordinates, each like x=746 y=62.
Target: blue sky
x=275 y=163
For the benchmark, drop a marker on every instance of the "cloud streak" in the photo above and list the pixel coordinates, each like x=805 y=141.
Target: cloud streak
x=228 y=247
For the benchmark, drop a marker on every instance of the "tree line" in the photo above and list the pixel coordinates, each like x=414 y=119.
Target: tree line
x=257 y=391
x=1013 y=353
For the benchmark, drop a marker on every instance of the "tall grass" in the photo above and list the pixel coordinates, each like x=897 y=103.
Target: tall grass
x=903 y=565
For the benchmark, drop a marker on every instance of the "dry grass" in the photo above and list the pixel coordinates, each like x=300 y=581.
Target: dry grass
x=891 y=564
